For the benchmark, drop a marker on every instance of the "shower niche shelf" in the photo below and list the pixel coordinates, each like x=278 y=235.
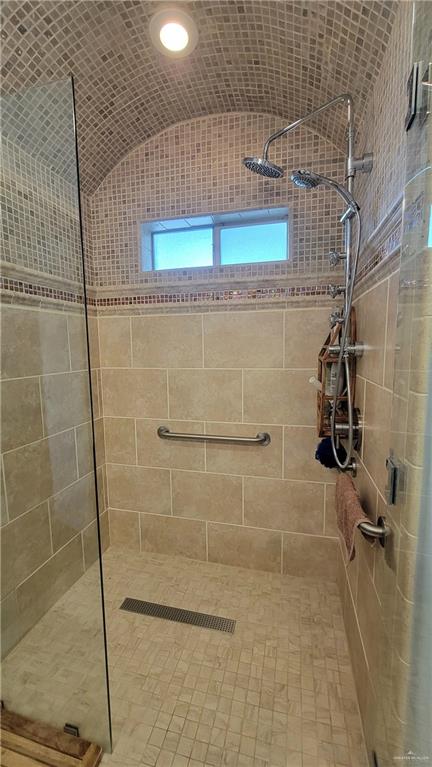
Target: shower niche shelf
x=327 y=361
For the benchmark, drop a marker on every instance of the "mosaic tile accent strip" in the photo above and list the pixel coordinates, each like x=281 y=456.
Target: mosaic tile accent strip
x=253 y=55
x=216 y=296
x=195 y=168
x=43 y=291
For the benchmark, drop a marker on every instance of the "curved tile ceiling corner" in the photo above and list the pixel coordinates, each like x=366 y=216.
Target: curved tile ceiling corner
x=281 y=57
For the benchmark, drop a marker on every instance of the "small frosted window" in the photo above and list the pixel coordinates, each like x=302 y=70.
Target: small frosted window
x=215 y=239
x=187 y=248
x=254 y=243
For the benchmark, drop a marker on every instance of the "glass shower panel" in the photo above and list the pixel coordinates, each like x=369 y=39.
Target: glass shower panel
x=405 y=689
x=52 y=623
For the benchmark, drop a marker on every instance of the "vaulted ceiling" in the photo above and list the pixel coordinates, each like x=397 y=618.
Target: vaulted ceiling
x=281 y=57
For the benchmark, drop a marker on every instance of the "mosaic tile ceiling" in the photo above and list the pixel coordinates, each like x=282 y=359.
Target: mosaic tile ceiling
x=281 y=57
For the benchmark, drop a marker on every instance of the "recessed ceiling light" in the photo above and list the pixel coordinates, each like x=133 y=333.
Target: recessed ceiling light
x=174 y=36
x=173 y=32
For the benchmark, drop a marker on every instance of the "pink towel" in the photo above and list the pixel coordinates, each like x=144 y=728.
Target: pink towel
x=349 y=512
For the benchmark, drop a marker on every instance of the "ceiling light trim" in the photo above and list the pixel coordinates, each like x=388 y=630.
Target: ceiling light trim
x=173 y=15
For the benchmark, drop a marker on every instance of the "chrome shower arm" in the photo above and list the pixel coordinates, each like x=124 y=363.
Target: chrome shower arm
x=343 y=98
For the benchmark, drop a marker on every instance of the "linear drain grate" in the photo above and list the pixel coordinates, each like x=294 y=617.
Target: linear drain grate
x=178 y=615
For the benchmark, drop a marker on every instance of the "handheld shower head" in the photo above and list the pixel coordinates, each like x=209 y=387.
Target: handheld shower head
x=263 y=167
x=307 y=179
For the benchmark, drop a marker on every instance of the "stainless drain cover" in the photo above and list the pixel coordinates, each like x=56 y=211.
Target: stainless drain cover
x=177 y=614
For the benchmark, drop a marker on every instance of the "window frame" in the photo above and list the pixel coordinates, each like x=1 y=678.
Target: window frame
x=252 y=217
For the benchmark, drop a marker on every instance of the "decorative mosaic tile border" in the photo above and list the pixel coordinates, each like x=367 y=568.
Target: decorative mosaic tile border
x=216 y=296
x=41 y=291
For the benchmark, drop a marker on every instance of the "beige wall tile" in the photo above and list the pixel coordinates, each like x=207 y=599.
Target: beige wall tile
x=371 y=316
x=124 y=529
x=216 y=497
x=410 y=558
x=25 y=545
x=21 y=414
x=358 y=659
x=65 y=401
x=135 y=393
x=300 y=444
x=154 y=451
x=284 y=505
x=90 y=540
x=279 y=396
x=244 y=547
x=376 y=434
x=330 y=524
x=309 y=555
x=367 y=492
x=33 y=342
x=167 y=342
x=115 y=342
x=392 y=311
x=243 y=340
x=93 y=323
x=39 y=592
x=35 y=472
x=254 y=460
x=120 y=440
x=138 y=489
x=404 y=627
x=12 y=628
x=3 y=505
x=369 y=617
x=77 y=341
x=205 y=394
x=99 y=437
x=84 y=442
x=102 y=488
x=72 y=509
x=172 y=535
x=305 y=332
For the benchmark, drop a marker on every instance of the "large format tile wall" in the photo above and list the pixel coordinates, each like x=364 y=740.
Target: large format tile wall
x=48 y=510
x=48 y=534
x=235 y=373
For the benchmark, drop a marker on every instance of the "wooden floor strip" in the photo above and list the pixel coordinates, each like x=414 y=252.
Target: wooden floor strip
x=26 y=743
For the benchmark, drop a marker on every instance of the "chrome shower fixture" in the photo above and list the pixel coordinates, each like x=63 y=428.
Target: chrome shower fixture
x=306 y=179
x=263 y=167
x=354 y=164
x=334 y=257
x=336 y=290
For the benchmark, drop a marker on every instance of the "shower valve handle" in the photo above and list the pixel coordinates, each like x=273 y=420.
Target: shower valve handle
x=334 y=257
x=336 y=290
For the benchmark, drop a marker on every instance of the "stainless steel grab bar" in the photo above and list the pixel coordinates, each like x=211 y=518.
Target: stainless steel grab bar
x=380 y=530
x=262 y=438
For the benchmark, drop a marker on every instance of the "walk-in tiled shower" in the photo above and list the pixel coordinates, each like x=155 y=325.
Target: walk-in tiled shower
x=134 y=398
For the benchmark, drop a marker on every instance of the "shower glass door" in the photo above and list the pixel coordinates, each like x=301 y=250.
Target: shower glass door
x=54 y=663
x=405 y=688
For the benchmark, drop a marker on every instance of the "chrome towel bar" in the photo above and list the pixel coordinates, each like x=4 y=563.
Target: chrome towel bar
x=263 y=438
x=380 y=530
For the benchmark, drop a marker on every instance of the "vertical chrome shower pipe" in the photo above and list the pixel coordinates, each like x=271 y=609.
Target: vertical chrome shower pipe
x=350 y=272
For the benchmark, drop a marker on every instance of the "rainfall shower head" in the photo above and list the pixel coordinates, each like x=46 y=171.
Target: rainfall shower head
x=263 y=167
x=305 y=179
